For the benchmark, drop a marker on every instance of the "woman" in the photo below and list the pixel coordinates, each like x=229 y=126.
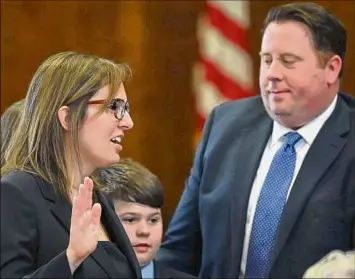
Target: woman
x=54 y=223
x=9 y=122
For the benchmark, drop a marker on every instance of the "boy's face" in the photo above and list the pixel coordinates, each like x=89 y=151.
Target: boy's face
x=144 y=227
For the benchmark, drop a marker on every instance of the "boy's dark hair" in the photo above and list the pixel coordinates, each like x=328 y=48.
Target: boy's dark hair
x=130 y=181
x=328 y=34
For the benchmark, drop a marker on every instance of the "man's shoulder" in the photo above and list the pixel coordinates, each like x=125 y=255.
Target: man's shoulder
x=348 y=99
x=239 y=113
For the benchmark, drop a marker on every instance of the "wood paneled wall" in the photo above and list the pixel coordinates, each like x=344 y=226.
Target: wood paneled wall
x=157 y=38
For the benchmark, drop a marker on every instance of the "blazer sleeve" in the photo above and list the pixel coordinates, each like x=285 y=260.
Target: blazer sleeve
x=19 y=238
x=182 y=246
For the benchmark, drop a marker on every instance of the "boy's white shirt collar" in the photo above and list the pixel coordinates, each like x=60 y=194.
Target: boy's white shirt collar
x=148 y=270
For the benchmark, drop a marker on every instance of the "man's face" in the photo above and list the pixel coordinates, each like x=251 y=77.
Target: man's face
x=293 y=83
x=144 y=227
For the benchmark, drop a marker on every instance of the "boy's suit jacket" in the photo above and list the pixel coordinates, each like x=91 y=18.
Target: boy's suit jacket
x=160 y=271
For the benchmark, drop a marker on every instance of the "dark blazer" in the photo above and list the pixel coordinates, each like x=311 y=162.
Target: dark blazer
x=35 y=226
x=207 y=230
x=161 y=271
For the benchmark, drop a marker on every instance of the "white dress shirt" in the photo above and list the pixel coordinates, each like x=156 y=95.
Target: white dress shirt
x=308 y=132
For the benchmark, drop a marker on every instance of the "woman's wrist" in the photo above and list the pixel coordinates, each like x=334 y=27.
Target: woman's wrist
x=73 y=261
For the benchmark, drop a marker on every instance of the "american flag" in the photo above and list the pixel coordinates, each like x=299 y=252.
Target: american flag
x=224 y=69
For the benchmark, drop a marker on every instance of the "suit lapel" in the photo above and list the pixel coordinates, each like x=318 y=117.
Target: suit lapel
x=324 y=150
x=159 y=271
x=61 y=208
x=251 y=143
x=118 y=234
x=62 y=211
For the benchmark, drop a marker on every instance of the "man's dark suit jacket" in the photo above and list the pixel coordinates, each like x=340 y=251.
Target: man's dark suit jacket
x=162 y=272
x=35 y=226
x=207 y=230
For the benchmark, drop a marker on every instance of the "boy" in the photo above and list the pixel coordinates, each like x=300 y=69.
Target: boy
x=138 y=197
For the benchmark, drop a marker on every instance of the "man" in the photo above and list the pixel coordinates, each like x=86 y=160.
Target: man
x=272 y=188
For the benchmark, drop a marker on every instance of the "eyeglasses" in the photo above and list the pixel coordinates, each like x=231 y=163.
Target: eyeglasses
x=118 y=106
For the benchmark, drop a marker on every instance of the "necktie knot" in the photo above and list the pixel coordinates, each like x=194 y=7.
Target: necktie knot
x=291 y=138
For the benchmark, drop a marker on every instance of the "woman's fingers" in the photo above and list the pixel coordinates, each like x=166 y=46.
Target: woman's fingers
x=84 y=196
x=78 y=209
x=83 y=212
x=88 y=184
x=96 y=214
x=90 y=220
x=85 y=223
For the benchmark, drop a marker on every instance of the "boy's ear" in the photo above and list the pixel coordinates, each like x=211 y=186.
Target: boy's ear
x=63 y=117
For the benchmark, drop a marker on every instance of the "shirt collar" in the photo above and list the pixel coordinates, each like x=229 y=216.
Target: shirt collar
x=309 y=131
x=148 y=270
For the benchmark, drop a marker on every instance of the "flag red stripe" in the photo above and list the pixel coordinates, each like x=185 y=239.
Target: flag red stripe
x=228 y=87
x=229 y=28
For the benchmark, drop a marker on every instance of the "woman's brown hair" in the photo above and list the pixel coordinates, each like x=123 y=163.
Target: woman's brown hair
x=64 y=79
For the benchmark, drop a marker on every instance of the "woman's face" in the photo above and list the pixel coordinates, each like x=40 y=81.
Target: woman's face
x=101 y=135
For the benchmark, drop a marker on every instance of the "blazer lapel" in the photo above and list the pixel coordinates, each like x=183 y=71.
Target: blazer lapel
x=62 y=211
x=61 y=208
x=117 y=234
x=324 y=150
x=250 y=144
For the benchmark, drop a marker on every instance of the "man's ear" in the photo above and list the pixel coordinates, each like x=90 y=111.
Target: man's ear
x=63 y=117
x=333 y=68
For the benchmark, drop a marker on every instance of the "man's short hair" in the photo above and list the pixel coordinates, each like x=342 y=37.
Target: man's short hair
x=328 y=33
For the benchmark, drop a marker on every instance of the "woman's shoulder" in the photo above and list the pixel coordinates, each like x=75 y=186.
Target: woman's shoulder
x=20 y=192
x=18 y=175
x=22 y=180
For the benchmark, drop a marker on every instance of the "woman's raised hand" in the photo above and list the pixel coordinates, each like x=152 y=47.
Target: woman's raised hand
x=84 y=228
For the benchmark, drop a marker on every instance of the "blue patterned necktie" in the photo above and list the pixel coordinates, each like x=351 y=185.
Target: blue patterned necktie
x=270 y=206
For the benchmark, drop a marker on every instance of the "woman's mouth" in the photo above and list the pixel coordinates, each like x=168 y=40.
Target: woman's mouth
x=117 y=140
